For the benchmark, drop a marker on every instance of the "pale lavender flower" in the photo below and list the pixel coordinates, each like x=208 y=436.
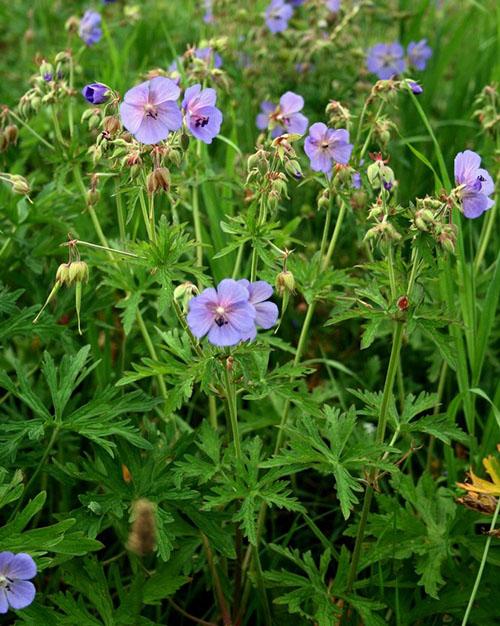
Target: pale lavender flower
x=266 y=313
x=224 y=313
x=325 y=146
x=278 y=13
x=90 y=28
x=211 y=58
x=149 y=110
x=386 y=59
x=356 y=180
x=15 y=572
x=95 y=93
x=419 y=53
x=333 y=5
x=285 y=118
x=474 y=184
x=203 y=118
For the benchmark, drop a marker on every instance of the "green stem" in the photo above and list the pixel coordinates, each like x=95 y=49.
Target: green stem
x=145 y=215
x=239 y=258
x=196 y=213
x=119 y=212
x=107 y=249
x=152 y=227
x=255 y=257
x=481 y=566
x=379 y=438
x=485 y=237
x=151 y=350
x=233 y=411
x=31 y=130
x=39 y=467
x=57 y=128
x=369 y=136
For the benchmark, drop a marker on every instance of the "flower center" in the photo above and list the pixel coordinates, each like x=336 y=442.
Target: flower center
x=5 y=582
x=200 y=120
x=324 y=145
x=220 y=316
x=150 y=110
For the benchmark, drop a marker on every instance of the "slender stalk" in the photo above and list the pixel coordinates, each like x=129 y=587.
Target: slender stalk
x=38 y=468
x=145 y=215
x=233 y=411
x=193 y=618
x=31 y=130
x=379 y=438
x=239 y=258
x=119 y=212
x=196 y=214
x=481 y=567
x=152 y=226
x=485 y=236
x=226 y=616
x=182 y=321
x=151 y=350
x=70 y=103
x=57 y=128
x=255 y=257
x=96 y=246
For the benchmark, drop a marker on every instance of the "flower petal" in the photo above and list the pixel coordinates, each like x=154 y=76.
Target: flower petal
x=259 y=291
x=291 y=102
x=132 y=116
x=230 y=292
x=22 y=566
x=190 y=94
x=474 y=204
x=169 y=114
x=4 y=605
x=225 y=335
x=267 y=314
x=21 y=594
x=162 y=89
x=297 y=123
x=151 y=131
x=137 y=95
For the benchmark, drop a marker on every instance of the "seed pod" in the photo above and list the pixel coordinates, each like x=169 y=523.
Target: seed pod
x=78 y=272
x=62 y=274
x=142 y=536
x=285 y=282
x=111 y=124
x=20 y=185
x=11 y=133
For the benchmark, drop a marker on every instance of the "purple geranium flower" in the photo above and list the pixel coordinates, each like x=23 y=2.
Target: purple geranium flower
x=414 y=86
x=324 y=146
x=333 y=5
x=149 y=110
x=386 y=60
x=203 y=118
x=15 y=589
x=95 y=93
x=278 y=13
x=224 y=313
x=419 y=53
x=474 y=184
x=285 y=118
x=295 y=3
x=210 y=57
x=266 y=313
x=90 y=28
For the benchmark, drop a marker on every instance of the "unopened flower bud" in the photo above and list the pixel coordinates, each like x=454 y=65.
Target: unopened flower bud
x=111 y=124
x=4 y=143
x=324 y=199
x=403 y=303
x=92 y=197
x=293 y=168
x=46 y=71
x=184 y=293
x=11 y=133
x=72 y=24
x=285 y=282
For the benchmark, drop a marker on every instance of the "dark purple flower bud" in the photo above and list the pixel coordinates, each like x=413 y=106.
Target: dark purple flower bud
x=356 y=180
x=95 y=93
x=211 y=58
x=415 y=87
x=387 y=185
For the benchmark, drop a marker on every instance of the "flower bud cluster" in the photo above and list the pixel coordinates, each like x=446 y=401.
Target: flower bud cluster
x=487 y=110
x=431 y=216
